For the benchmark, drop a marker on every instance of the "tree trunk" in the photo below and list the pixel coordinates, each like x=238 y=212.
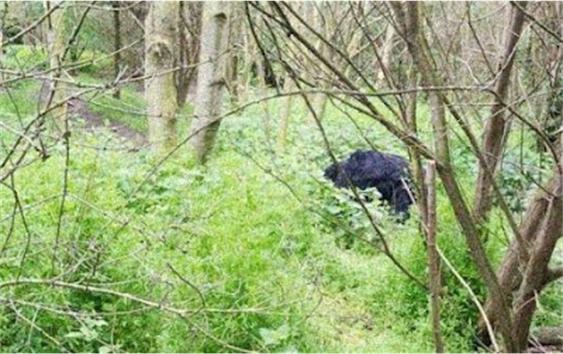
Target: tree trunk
x=416 y=160
x=418 y=48
x=285 y=115
x=160 y=89
x=189 y=25
x=262 y=88
x=320 y=101
x=313 y=12
x=1 y=47
x=234 y=39
x=386 y=55
x=433 y=256
x=535 y=275
x=211 y=78
x=116 y=44
x=233 y=77
x=248 y=54
x=554 y=115
x=497 y=128
x=56 y=45
x=515 y=263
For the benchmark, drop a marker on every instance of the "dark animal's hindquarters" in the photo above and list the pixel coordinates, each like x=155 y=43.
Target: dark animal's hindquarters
x=388 y=173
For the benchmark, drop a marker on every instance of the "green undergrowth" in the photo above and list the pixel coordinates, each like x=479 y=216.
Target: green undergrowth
x=256 y=246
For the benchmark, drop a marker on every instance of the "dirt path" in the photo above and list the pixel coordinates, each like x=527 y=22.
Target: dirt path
x=79 y=108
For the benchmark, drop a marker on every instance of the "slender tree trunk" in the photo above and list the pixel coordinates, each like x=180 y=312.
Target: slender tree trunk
x=3 y=25
x=160 y=88
x=262 y=86
x=193 y=14
x=497 y=127
x=233 y=77
x=535 y=275
x=181 y=77
x=1 y=46
x=525 y=272
x=554 y=115
x=211 y=78
x=248 y=55
x=418 y=47
x=116 y=44
x=139 y=12
x=386 y=55
x=56 y=45
x=319 y=100
x=287 y=103
x=233 y=61
x=188 y=48
x=411 y=119
x=514 y=264
x=433 y=256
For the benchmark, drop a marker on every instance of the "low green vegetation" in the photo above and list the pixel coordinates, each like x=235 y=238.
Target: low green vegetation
x=259 y=251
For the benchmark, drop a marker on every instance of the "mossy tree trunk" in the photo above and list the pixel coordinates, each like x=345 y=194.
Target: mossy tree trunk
x=116 y=44
x=56 y=46
x=235 y=41
x=210 y=78
x=160 y=89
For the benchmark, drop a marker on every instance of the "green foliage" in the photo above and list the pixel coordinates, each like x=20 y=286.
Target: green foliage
x=93 y=63
x=276 y=269
x=22 y=57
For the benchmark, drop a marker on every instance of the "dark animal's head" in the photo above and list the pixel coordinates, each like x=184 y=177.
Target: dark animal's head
x=331 y=172
x=338 y=174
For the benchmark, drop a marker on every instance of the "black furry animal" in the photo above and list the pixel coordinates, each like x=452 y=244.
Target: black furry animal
x=388 y=173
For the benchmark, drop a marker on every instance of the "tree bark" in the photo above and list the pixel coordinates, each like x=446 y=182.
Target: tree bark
x=56 y=45
x=510 y=271
x=180 y=76
x=412 y=126
x=497 y=127
x=535 y=275
x=418 y=47
x=116 y=44
x=523 y=271
x=160 y=90
x=211 y=78
x=386 y=55
x=554 y=115
x=433 y=256
x=189 y=26
x=541 y=212
x=234 y=39
x=1 y=45
x=326 y=28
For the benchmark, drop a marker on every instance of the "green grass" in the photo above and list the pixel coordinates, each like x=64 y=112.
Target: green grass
x=272 y=271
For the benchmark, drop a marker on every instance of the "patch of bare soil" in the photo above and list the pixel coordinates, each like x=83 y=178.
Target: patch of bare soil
x=79 y=108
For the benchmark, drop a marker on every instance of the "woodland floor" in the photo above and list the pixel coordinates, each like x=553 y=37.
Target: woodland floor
x=345 y=321
x=79 y=109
